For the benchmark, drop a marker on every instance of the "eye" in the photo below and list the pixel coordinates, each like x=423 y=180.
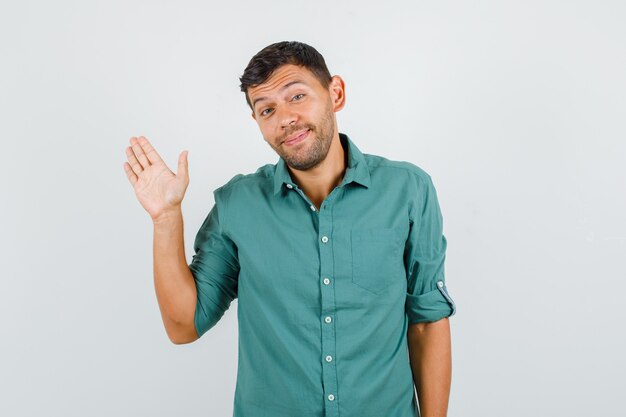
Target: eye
x=297 y=95
x=263 y=112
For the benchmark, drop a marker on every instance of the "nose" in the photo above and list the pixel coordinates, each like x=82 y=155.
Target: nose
x=287 y=117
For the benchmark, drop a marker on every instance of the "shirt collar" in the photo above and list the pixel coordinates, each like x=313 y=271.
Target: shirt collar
x=356 y=171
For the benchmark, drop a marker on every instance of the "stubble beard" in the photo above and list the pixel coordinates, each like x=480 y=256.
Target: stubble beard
x=319 y=144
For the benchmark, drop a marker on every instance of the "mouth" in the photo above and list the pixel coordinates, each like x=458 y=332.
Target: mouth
x=296 y=137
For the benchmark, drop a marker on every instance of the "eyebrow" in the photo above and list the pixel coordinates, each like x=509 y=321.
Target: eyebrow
x=284 y=87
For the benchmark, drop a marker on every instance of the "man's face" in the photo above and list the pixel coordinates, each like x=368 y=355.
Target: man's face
x=290 y=104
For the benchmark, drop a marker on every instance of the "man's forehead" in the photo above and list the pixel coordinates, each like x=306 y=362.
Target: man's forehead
x=286 y=74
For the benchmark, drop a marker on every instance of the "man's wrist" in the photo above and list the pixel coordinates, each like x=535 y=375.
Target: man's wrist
x=168 y=217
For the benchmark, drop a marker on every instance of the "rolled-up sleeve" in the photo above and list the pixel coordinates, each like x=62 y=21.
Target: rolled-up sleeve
x=427 y=298
x=215 y=269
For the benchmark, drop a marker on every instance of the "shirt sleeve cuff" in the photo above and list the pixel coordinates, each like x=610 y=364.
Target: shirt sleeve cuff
x=430 y=306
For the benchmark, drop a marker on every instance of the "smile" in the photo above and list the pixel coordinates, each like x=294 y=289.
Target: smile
x=297 y=139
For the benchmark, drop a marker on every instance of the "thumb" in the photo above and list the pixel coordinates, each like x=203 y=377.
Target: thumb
x=183 y=165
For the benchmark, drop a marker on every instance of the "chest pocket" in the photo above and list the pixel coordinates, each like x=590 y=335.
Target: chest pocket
x=377 y=258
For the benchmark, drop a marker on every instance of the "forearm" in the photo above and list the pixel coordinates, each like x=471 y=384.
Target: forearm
x=431 y=363
x=174 y=284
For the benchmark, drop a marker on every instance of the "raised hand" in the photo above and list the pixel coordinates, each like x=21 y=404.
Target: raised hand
x=158 y=189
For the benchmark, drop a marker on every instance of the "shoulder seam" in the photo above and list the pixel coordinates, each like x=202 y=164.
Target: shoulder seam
x=251 y=175
x=403 y=165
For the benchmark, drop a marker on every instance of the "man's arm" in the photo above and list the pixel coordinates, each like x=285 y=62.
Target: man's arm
x=428 y=303
x=431 y=362
x=161 y=193
x=173 y=281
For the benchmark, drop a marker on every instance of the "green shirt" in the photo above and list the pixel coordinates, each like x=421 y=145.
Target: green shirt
x=325 y=296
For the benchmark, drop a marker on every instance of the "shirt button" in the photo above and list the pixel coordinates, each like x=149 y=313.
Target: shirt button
x=324 y=239
x=313 y=207
x=328 y=319
x=329 y=358
x=289 y=186
x=331 y=397
x=440 y=283
x=326 y=281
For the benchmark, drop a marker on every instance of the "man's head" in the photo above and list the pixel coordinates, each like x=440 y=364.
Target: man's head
x=268 y=59
x=290 y=91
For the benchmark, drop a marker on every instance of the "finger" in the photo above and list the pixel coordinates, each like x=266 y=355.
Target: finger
x=151 y=153
x=139 y=153
x=183 y=164
x=130 y=174
x=132 y=160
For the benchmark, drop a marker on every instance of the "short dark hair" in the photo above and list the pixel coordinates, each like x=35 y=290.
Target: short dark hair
x=268 y=59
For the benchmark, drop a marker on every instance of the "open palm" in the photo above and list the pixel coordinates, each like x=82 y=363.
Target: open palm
x=158 y=189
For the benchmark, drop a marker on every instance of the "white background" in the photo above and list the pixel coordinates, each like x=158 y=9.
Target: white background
x=516 y=109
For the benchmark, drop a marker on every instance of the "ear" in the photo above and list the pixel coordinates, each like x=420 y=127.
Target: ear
x=337 y=90
x=253 y=115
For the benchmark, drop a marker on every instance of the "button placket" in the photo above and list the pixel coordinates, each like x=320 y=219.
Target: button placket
x=329 y=330
x=325 y=225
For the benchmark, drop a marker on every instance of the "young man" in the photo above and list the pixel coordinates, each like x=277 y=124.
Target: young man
x=336 y=258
